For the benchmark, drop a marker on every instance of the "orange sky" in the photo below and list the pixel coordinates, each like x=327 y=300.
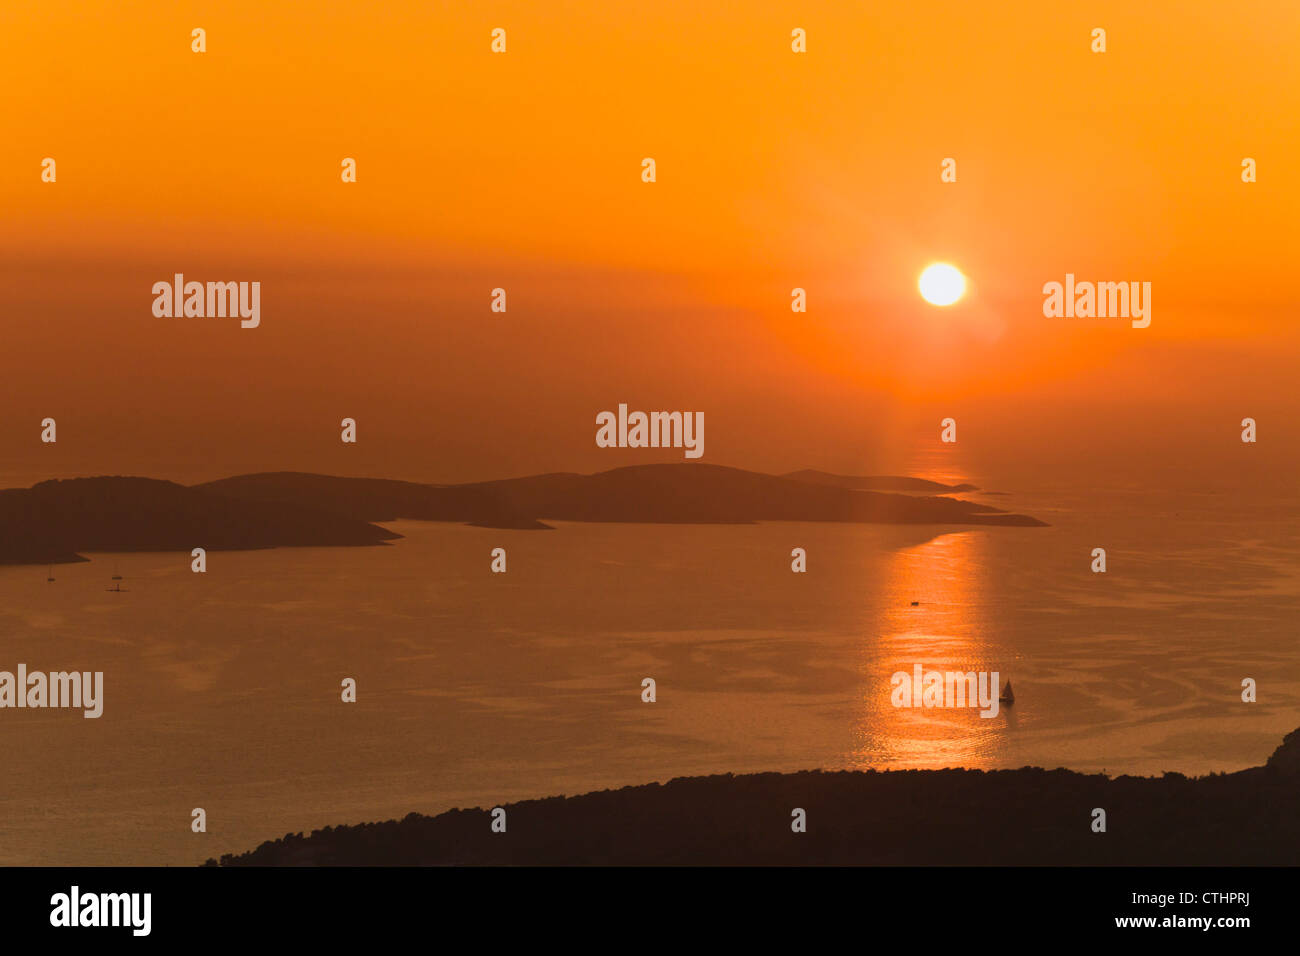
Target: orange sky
x=522 y=170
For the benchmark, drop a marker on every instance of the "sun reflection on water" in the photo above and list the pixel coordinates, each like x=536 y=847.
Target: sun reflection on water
x=947 y=630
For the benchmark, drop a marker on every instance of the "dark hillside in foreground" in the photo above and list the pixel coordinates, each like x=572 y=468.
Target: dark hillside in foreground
x=914 y=817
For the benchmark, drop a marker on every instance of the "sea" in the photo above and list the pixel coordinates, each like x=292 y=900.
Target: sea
x=223 y=691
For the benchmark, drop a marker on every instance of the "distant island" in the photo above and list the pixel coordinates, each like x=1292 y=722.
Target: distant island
x=53 y=521
x=661 y=493
x=879 y=482
x=911 y=817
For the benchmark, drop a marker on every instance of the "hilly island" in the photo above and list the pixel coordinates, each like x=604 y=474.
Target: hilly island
x=53 y=521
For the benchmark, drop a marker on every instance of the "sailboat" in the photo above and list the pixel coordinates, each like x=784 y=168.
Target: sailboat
x=50 y=572
x=1008 y=696
x=117 y=582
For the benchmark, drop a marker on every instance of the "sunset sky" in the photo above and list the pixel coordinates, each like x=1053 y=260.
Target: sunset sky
x=523 y=170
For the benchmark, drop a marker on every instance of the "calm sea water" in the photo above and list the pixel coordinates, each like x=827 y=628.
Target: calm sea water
x=222 y=690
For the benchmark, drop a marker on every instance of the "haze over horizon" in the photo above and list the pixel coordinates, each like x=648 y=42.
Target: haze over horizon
x=671 y=295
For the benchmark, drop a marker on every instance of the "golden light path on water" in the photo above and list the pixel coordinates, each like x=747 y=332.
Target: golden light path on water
x=949 y=629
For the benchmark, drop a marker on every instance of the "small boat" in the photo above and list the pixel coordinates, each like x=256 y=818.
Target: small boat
x=915 y=603
x=1008 y=696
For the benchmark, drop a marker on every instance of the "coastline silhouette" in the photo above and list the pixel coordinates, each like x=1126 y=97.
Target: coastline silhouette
x=51 y=522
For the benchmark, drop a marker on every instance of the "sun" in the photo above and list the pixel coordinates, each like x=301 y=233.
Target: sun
x=942 y=284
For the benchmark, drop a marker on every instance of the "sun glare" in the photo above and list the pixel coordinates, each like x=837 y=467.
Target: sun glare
x=942 y=284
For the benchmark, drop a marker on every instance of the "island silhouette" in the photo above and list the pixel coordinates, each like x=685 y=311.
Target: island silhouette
x=53 y=521
x=879 y=482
